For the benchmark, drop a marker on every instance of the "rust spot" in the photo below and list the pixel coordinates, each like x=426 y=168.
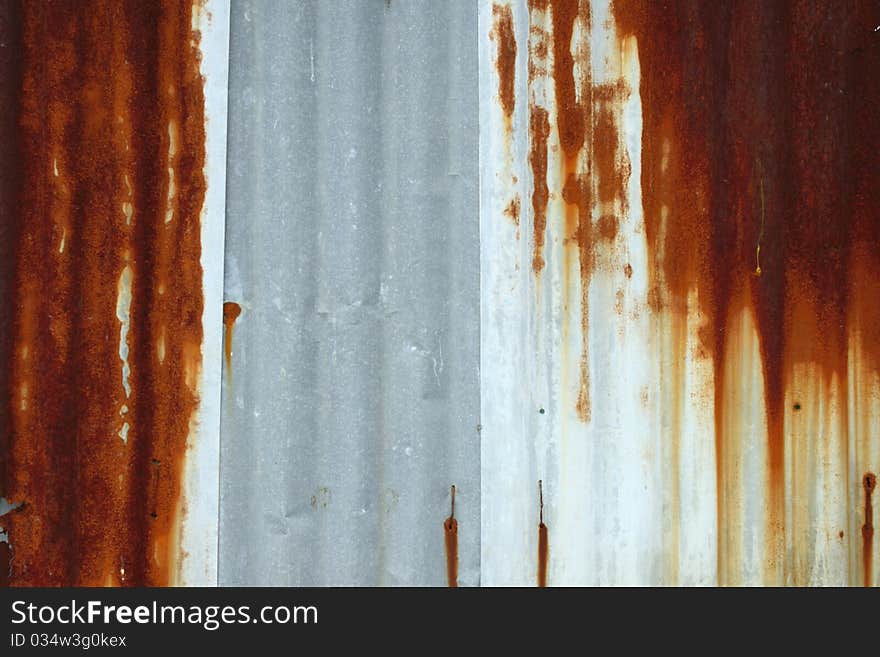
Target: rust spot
x=503 y=35
x=231 y=311
x=450 y=532
x=105 y=176
x=512 y=210
x=840 y=534
x=628 y=270
x=539 y=131
x=543 y=541
x=869 y=481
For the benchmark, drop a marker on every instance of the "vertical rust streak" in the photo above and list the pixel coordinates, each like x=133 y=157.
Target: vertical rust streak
x=575 y=130
x=505 y=62
x=231 y=311
x=543 y=541
x=539 y=131
x=450 y=532
x=87 y=202
x=869 y=482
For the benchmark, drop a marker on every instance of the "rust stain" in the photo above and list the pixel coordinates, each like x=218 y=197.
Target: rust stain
x=503 y=34
x=105 y=170
x=539 y=131
x=512 y=210
x=869 y=482
x=543 y=541
x=763 y=156
x=231 y=311
x=450 y=532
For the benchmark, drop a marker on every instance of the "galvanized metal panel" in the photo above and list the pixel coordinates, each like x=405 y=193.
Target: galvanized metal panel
x=351 y=396
x=676 y=332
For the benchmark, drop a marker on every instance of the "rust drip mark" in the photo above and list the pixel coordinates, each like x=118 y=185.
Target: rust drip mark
x=577 y=194
x=543 y=542
x=539 y=131
x=231 y=311
x=512 y=210
x=450 y=532
x=110 y=97
x=870 y=482
x=503 y=35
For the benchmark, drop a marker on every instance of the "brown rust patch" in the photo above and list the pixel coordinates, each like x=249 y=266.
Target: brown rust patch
x=869 y=481
x=505 y=62
x=231 y=311
x=539 y=131
x=543 y=540
x=512 y=210
x=110 y=101
x=450 y=535
x=608 y=226
x=759 y=149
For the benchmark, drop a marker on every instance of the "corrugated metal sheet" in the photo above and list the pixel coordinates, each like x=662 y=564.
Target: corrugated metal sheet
x=679 y=329
x=113 y=176
x=642 y=350
x=351 y=396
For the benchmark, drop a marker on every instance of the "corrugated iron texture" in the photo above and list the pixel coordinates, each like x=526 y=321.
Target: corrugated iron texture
x=680 y=330
x=103 y=191
x=351 y=395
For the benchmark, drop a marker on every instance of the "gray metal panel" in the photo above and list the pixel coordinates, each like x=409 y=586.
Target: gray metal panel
x=352 y=402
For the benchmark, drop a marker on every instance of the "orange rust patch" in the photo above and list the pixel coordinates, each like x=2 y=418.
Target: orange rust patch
x=109 y=153
x=503 y=34
x=231 y=311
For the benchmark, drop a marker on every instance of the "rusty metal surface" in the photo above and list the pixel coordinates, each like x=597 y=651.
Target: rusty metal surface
x=621 y=330
x=105 y=287
x=351 y=395
x=682 y=329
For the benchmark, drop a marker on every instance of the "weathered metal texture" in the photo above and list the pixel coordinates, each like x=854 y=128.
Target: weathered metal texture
x=110 y=318
x=680 y=327
x=351 y=396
